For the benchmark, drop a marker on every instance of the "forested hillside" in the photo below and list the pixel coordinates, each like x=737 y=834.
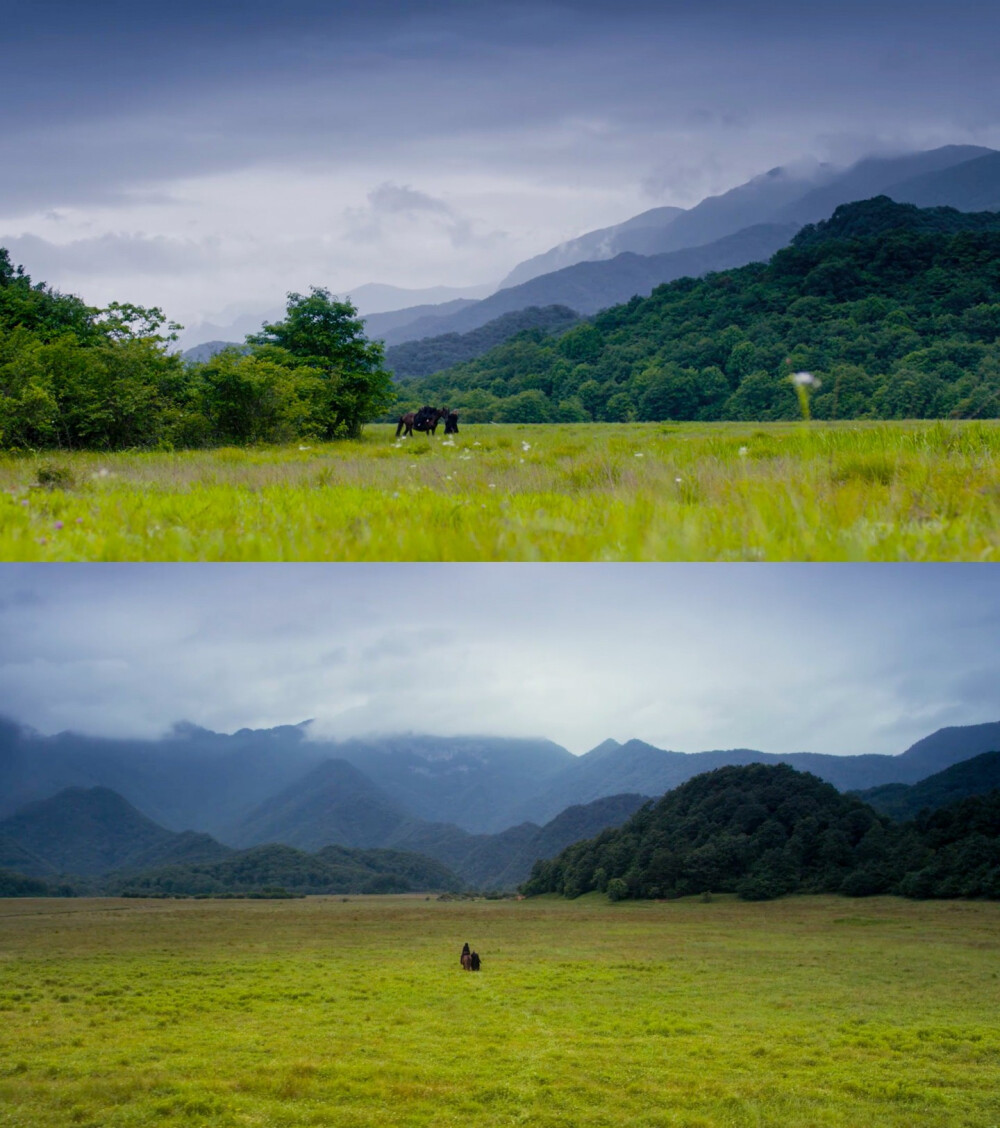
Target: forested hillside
x=763 y=831
x=894 y=309
x=431 y=354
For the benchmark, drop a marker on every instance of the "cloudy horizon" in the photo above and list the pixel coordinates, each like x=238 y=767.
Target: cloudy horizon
x=211 y=156
x=834 y=658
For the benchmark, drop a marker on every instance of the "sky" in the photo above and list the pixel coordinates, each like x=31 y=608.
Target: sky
x=210 y=157
x=834 y=658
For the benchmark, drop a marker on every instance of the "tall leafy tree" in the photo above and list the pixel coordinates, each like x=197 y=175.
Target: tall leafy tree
x=327 y=335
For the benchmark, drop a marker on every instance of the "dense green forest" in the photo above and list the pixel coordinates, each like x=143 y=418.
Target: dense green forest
x=263 y=869
x=894 y=309
x=431 y=354
x=763 y=831
x=81 y=378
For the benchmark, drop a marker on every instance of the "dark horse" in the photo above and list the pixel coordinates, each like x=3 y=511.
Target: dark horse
x=426 y=419
x=451 y=423
x=466 y=958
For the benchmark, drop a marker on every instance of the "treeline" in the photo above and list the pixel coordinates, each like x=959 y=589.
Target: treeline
x=75 y=377
x=261 y=870
x=895 y=309
x=764 y=831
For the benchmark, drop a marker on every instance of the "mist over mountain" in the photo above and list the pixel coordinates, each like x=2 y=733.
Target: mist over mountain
x=589 y=287
x=632 y=235
x=190 y=779
x=746 y=224
x=486 y=808
x=236 y=787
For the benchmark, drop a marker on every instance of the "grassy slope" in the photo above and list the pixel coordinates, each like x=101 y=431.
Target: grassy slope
x=805 y=1012
x=889 y=491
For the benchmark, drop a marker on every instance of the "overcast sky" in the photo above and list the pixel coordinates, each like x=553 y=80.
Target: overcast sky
x=782 y=658
x=209 y=156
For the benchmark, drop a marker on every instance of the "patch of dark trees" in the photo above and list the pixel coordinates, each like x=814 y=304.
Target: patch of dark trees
x=763 y=831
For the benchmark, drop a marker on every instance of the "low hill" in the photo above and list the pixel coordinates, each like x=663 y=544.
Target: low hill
x=893 y=309
x=91 y=831
x=978 y=776
x=502 y=861
x=420 y=358
x=757 y=830
x=764 y=831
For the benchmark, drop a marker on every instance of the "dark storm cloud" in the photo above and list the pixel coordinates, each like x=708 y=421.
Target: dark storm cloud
x=104 y=100
x=111 y=254
x=827 y=658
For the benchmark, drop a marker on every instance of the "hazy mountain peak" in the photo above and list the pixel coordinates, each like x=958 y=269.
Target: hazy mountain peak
x=604 y=748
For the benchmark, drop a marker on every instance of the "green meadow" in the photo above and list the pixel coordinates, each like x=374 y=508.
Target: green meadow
x=688 y=491
x=354 y=1012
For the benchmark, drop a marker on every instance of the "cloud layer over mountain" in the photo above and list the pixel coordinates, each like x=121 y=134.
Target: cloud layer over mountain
x=825 y=658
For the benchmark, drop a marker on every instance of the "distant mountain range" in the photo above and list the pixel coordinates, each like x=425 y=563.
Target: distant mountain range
x=591 y=286
x=484 y=807
x=977 y=776
x=746 y=224
x=716 y=234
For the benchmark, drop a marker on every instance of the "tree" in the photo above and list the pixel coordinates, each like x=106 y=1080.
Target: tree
x=328 y=336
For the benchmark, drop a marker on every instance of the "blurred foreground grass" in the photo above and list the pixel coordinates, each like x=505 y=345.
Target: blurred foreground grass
x=724 y=491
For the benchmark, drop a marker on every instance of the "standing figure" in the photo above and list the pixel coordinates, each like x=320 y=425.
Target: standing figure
x=474 y=961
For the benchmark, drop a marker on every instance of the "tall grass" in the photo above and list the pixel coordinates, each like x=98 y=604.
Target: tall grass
x=908 y=491
x=803 y=1012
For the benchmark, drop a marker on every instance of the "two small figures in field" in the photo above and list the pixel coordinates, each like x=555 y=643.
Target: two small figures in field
x=470 y=960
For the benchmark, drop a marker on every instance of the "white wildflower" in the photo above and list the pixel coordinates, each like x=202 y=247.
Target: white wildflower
x=743 y=452
x=805 y=380
x=525 y=446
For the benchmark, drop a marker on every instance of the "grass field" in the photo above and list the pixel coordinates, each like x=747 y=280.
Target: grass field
x=803 y=1012
x=906 y=491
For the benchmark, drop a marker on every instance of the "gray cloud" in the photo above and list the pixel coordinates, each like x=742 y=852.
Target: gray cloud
x=113 y=254
x=136 y=126
x=828 y=658
x=389 y=204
